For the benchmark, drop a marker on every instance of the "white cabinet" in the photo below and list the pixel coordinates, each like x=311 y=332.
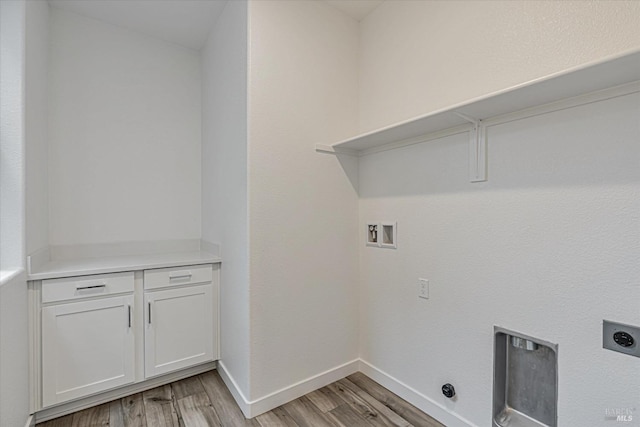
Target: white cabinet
x=101 y=332
x=179 y=330
x=181 y=306
x=87 y=347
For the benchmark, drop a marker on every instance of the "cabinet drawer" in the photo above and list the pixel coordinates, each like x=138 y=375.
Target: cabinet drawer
x=74 y=288
x=176 y=276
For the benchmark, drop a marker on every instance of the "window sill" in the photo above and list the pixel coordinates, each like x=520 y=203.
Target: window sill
x=7 y=276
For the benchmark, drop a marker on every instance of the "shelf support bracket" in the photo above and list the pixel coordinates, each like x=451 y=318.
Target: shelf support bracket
x=477 y=149
x=328 y=149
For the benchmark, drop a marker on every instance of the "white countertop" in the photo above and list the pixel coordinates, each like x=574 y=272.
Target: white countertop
x=87 y=266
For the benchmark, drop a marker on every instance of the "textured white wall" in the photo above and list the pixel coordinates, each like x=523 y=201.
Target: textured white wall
x=303 y=208
x=124 y=135
x=36 y=119
x=14 y=337
x=548 y=246
x=418 y=56
x=12 y=38
x=224 y=178
x=14 y=351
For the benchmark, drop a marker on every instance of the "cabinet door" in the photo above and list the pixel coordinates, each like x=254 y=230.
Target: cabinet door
x=179 y=328
x=87 y=347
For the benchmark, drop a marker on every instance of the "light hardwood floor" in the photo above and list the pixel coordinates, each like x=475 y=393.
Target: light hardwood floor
x=204 y=400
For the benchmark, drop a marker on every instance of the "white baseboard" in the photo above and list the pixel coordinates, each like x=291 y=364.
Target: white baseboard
x=31 y=421
x=287 y=394
x=264 y=404
x=233 y=387
x=413 y=396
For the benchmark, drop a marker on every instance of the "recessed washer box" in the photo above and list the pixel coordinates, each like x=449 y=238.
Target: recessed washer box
x=382 y=234
x=389 y=233
x=372 y=233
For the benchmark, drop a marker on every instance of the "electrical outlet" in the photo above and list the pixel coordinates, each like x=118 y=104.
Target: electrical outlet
x=423 y=288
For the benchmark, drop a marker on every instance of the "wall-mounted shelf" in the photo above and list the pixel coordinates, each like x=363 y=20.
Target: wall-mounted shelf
x=546 y=91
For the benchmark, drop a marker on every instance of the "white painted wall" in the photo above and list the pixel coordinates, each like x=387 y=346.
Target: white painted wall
x=124 y=135
x=224 y=178
x=12 y=41
x=14 y=351
x=14 y=376
x=548 y=246
x=303 y=207
x=36 y=120
x=418 y=56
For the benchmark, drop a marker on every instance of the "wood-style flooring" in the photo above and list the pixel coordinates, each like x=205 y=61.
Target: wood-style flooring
x=204 y=400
